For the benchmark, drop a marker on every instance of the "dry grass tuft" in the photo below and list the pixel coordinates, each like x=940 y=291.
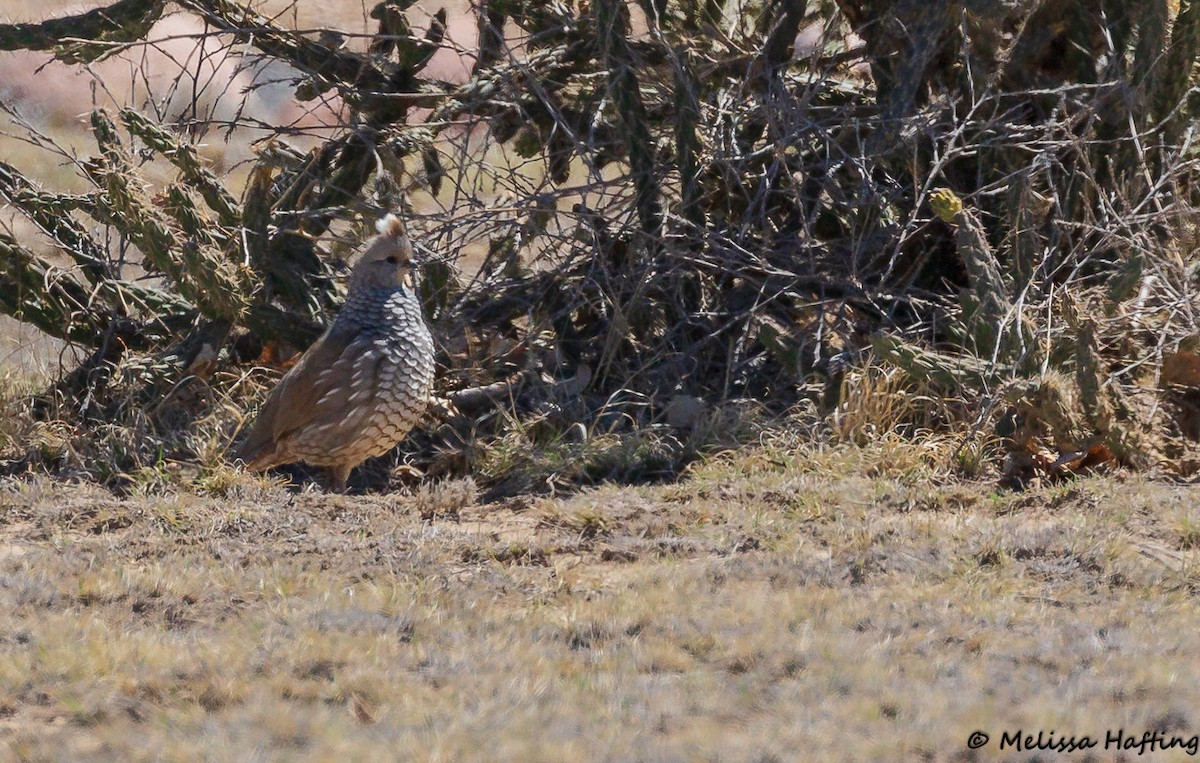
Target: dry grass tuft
x=445 y=499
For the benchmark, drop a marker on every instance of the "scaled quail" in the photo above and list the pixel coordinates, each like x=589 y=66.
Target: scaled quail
x=362 y=386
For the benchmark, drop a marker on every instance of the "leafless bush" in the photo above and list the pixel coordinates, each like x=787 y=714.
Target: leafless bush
x=641 y=201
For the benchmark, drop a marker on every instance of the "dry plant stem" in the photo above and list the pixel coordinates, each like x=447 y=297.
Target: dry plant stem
x=611 y=22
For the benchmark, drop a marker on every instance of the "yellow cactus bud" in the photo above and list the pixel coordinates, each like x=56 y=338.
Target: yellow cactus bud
x=945 y=204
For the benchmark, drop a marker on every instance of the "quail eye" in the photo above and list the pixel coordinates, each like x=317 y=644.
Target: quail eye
x=393 y=259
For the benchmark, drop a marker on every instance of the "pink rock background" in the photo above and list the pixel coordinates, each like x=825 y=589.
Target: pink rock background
x=186 y=73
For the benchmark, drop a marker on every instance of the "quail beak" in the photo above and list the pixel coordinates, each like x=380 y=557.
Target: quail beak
x=409 y=268
x=416 y=259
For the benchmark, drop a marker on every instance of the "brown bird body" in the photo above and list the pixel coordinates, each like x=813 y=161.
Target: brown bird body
x=359 y=389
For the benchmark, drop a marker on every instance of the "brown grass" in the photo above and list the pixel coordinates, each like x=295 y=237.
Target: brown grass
x=782 y=602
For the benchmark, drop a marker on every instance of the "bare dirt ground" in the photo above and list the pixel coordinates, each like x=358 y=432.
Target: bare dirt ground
x=775 y=604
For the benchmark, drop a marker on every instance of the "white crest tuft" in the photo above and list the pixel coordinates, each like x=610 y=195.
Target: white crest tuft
x=390 y=226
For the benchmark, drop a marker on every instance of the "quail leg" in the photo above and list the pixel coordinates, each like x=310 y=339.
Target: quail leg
x=338 y=476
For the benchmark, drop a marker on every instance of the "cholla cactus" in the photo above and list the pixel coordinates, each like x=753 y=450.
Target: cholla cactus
x=991 y=319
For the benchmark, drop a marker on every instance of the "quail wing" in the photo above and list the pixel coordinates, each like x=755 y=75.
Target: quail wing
x=325 y=395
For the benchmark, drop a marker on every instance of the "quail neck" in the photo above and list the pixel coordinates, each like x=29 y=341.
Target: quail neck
x=390 y=312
